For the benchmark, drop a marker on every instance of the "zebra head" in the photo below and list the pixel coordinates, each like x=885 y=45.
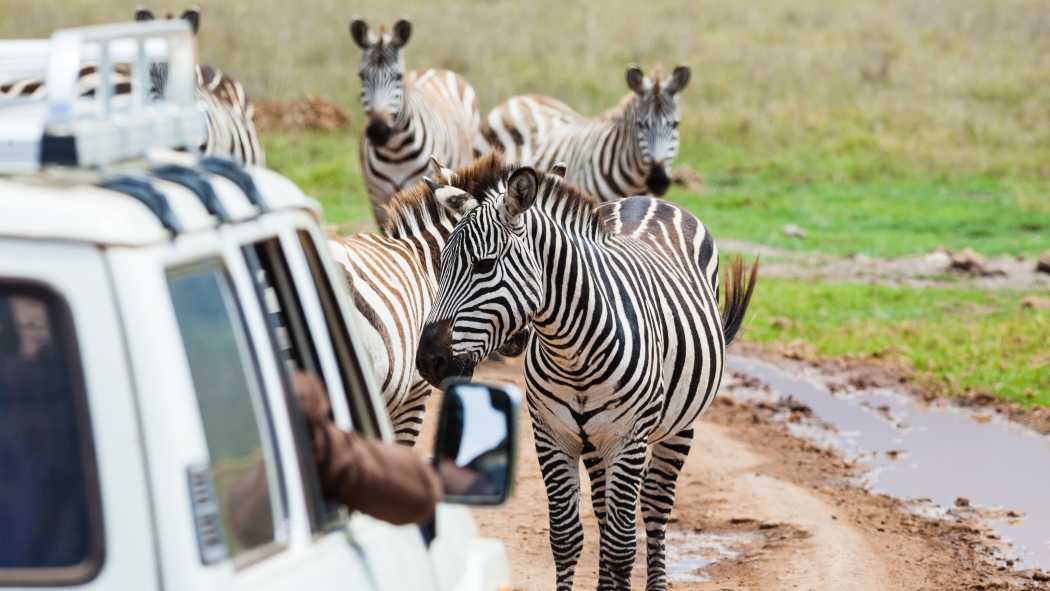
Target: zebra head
x=381 y=71
x=653 y=111
x=158 y=72
x=490 y=285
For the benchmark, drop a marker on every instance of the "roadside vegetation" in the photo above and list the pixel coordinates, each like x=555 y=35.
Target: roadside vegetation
x=883 y=128
x=954 y=341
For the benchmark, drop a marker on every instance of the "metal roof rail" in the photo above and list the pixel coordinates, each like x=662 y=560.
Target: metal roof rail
x=194 y=181
x=234 y=172
x=95 y=131
x=142 y=190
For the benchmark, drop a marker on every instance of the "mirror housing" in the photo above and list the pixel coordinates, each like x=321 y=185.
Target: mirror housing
x=475 y=449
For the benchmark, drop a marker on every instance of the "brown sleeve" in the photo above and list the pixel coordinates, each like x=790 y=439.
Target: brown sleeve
x=387 y=481
x=384 y=480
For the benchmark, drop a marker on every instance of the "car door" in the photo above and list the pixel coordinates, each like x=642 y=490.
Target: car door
x=75 y=510
x=396 y=554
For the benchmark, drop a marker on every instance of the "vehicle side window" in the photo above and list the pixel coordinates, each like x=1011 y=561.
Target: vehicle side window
x=365 y=421
x=234 y=414
x=50 y=511
x=297 y=359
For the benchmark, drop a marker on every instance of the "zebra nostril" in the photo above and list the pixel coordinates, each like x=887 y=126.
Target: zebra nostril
x=378 y=132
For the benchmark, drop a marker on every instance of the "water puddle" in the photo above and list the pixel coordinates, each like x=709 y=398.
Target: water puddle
x=689 y=553
x=918 y=452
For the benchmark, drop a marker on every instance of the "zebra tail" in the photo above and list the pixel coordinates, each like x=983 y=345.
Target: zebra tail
x=738 y=296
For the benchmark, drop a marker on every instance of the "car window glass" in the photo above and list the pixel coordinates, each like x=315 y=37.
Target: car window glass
x=365 y=420
x=233 y=412
x=297 y=359
x=50 y=516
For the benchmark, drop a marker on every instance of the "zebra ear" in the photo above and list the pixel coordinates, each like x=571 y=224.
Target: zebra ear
x=359 y=31
x=193 y=16
x=143 y=14
x=635 y=79
x=559 y=169
x=402 y=31
x=452 y=198
x=440 y=169
x=679 y=80
x=521 y=192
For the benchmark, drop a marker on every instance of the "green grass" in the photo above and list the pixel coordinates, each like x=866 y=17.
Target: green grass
x=955 y=340
x=325 y=166
x=887 y=218
x=993 y=216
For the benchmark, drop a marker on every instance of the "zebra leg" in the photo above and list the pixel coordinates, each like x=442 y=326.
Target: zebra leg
x=407 y=418
x=623 y=481
x=561 y=476
x=658 y=493
x=596 y=472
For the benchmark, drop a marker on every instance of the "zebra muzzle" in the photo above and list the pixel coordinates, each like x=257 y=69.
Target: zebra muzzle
x=657 y=182
x=378 y=132
x=435 y=360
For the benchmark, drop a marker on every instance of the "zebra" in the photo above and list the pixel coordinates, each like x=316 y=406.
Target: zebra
x=411 y=116
x=626 y=151
x=228 y=112
x=628 y=344
x=392 y=276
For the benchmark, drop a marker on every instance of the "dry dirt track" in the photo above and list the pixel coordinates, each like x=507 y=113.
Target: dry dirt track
x=785 y=508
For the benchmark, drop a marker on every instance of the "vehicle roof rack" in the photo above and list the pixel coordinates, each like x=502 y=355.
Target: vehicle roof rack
x=142 y=190
x=68 y=129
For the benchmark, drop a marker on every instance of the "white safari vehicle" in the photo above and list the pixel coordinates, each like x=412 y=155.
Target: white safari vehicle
x=154 y=307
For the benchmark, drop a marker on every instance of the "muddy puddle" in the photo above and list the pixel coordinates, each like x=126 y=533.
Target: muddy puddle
x=947 y=455
x=689 y=553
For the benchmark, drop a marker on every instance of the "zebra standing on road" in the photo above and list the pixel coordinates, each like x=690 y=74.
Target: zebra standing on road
x=393 y=278
x=626 y=151
x=411 y=116
x=628 y=346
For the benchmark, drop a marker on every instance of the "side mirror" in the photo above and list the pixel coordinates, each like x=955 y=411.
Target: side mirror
x=477 y=443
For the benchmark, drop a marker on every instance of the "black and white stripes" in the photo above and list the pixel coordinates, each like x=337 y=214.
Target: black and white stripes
x=626 y=151
x=628 y=346
x=230 y=129
x=411 y=115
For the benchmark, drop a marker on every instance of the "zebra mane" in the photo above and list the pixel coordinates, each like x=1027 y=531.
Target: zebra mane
x=418 y=202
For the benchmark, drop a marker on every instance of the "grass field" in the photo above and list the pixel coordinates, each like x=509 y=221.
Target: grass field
x=955 y=340
x=881 y=128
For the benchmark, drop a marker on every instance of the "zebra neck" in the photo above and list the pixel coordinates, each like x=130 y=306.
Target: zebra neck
x=570 y=256
x=409 y=122
x=627 y=168
x=425 y=227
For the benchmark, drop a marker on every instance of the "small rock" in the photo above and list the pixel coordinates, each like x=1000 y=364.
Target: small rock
x=1035 y=303
x=780 y=323
x=794 y=231
x=1043 y=264
x=939 y=259
x=1040 y=576
x=968 y=261
x=687 y=178
x=962 y=502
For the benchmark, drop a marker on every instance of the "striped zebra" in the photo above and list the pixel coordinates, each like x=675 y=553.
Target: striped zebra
x=626 y=151
x=628 y=346
x=228 y=112
x=411 y=116
x=230 y=125
x=393 y=277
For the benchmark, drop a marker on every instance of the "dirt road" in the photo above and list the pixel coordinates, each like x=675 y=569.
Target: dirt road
x=760 y=509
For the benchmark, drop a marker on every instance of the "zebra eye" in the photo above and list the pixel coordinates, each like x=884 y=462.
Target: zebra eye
x=484 y=266
x=674 y=125
x=397 y=76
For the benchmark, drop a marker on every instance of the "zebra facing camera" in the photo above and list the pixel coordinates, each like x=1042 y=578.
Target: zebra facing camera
x=476 y=443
